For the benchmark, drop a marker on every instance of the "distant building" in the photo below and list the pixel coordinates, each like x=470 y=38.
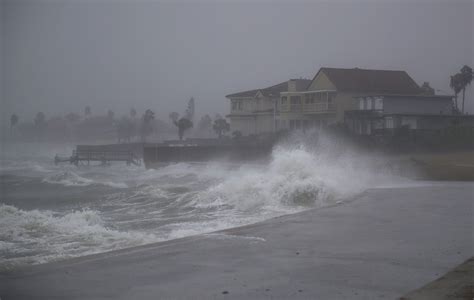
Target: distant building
x=377 y=114
x=334 y=96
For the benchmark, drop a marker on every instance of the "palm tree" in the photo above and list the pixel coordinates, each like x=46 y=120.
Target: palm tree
x=133 y=113
x=72 y=117
x=220 y=127
x=40 y=123
x=110 y=115
x=13 y=121
x=190 y=109
x=183 y=124
x=466 y=75
x=40 y=119
x=87 y=111
x=174 y=116
x=125 y=129
x=456 y=85
x=147 y=128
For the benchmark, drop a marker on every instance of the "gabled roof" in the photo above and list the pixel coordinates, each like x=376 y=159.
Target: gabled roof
x=371 y=81
x=273 y=90
x=245 y=94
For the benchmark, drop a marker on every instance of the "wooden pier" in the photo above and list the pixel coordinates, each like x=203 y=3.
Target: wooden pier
x=85 y=157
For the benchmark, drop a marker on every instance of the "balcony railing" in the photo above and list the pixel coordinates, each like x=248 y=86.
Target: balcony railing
x=308 y=108
x=318 y=107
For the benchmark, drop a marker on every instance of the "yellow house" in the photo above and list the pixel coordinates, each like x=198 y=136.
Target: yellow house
x=333 y=91
x=303 y=103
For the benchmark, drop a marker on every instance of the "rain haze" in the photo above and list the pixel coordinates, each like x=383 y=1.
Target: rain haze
x=238 y=149
x=59 y=56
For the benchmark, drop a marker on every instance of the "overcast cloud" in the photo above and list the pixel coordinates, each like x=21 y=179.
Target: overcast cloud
x=59 y=56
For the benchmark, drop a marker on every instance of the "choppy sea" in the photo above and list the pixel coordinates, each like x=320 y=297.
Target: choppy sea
x=50 y=212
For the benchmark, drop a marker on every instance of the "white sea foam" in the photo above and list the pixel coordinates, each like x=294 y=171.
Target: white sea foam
x=225 y=236
x=69 y=178
x=37 y=236
x=295 y=179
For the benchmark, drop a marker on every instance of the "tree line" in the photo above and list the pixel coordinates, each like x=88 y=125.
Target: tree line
x=126 y=129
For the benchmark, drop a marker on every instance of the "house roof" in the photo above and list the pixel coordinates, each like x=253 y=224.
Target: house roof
x=273 y=90
x=250 y=93
x=350 y=80
x=371 y=81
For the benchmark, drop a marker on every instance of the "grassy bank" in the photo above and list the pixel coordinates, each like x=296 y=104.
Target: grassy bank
x=454 y=166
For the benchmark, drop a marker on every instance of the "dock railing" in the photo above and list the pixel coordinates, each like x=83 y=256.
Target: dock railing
x=85 y=156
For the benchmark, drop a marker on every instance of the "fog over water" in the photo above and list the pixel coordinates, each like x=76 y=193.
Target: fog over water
x=59 y=56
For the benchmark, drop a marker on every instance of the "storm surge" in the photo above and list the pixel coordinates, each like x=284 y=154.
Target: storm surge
x=134 y=206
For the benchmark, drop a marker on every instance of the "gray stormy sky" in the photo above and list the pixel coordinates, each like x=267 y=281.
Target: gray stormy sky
x=59 y=56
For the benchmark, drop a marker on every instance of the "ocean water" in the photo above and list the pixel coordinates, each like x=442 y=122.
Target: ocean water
x=49 y=212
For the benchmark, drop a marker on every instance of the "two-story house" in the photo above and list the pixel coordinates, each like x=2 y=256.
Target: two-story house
x=254 y=111
x=332 y=92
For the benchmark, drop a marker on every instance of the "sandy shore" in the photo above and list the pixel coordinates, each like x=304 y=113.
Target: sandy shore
x=381 y=245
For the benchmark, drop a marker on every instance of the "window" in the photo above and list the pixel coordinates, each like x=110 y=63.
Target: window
x=295 y=124
x=389 y=122
x=361 y=103
x=295 y=100
x=369 y=103
x=378 y=103
x=378 y=124
x=330 y=96
x=318 y=97
x=410 y=122
x=237 y=105
x=283 y=100
x=309 y=98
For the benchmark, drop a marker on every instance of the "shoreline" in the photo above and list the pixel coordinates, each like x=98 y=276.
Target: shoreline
x=342 y=251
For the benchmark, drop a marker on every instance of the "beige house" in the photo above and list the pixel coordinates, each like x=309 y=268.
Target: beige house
x=333 y=91
x=254 y=111
x=302 y=103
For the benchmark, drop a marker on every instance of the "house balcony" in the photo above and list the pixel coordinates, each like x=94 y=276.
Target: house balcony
x=310 y=108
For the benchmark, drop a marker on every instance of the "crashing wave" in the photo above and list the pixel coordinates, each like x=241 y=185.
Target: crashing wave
x=37 y=236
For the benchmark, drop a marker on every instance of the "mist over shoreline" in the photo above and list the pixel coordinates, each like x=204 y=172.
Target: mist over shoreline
x=60 y=56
